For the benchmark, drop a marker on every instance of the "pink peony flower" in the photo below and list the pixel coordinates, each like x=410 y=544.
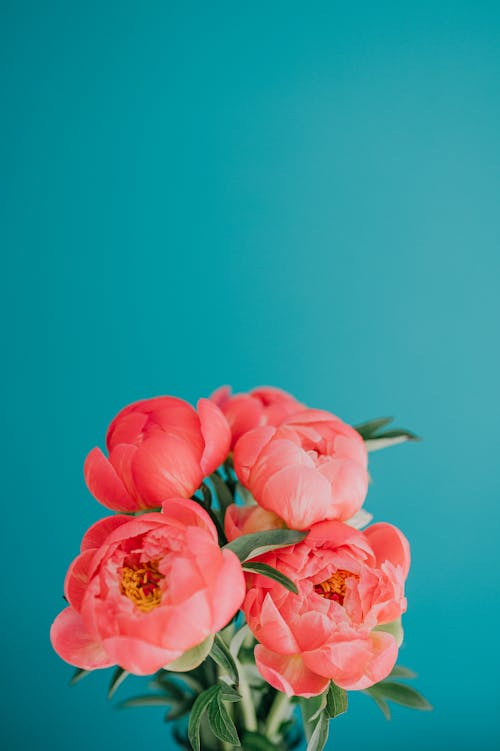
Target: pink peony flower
x=350 y=583
x=265 y=405
x=311 y=468
x=158 y=448
x=145 y=590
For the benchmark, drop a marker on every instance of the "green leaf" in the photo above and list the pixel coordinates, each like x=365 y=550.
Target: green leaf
x=117 y=679
x=224 y=495
x=319 y=737
x=336 y=700
x=394 y=628
x=367 y=429
x=379 y=701
x=221 y=723
x=171 y=689
x=228 y=694
x=192 y=658
x=376 y=439
x=402 y=694
x=257 y=742
x=78 y=675
x=312 y=707
x=146 y=701
x=222 y=656
x=399 y=671
x=272 y=573
x=199 y=707
x=249 y=546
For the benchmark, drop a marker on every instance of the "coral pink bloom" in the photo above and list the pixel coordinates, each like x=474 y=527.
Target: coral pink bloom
x=310 y=469
x=158 y=449
x=265 y=405
x=350 y=583
x=145 y=590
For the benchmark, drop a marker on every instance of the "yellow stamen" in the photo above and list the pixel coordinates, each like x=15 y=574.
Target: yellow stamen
x=334 y=588
x=141 y=584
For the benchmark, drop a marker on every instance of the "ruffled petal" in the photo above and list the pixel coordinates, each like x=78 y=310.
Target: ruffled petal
x=389 y=544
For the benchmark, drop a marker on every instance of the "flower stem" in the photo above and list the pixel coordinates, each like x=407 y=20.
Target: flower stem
x=247 y=707
x=277 y=714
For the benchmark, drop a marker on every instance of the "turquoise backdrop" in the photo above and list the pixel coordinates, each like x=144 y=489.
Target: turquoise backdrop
x=304 y=195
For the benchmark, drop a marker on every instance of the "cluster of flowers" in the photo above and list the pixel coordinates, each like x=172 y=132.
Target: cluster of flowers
x=159 y=578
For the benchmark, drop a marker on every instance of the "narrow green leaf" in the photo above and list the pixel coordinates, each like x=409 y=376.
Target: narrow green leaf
x=117 y=679
x=399 y=671
x=222 y=656
x=171 y=689
x=249 y=546
x=367 y=429
x=336 y=700
x=146 y=701
x=78 y=675
x=178 y=709
x=272 y=573
x=228 y=694
x=224 y=495
x=221 y=723
x=199 y=707
x=319 y=737
x=402 y=694
x=389 y=438
x=380 y=702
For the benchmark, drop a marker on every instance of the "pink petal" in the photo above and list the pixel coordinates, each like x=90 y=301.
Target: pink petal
x=248 y=449
x=220 y=396
x=77 y=578
x=166 y=466
x=216 y=435
x=389 y=544
x=137 y=656
x=104 y=483
x=288 y=673
x=188 y=513
x=229 y=588
x=74 y=644
x=272 y=630
x=96 y=535
x=299 y=495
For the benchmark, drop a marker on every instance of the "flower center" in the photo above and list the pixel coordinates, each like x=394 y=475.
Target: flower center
x=141 y=584
x=334 y=587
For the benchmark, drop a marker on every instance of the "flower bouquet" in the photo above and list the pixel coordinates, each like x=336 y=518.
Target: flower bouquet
x=238 y=570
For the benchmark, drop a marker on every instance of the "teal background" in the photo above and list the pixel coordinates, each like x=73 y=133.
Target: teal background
x=304 y=195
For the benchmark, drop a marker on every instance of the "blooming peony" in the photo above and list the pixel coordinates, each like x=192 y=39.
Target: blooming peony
x=311 y=468
x=145 y=590
x=350 y=583
x=158 y=448
x=265 y=405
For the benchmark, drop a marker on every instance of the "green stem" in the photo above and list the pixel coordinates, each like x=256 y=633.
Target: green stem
x=277 y=714
x=246 y=704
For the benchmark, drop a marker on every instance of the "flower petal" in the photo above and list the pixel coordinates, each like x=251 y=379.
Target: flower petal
x=389 y=544
x=288 y=673
x=74 y=644
x=104 y=483
x=216 y=435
